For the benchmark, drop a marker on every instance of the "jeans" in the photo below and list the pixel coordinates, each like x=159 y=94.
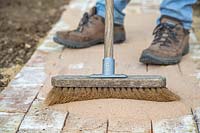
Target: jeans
x=179 y=9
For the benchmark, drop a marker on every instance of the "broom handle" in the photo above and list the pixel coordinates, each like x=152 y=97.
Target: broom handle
x=108 y=66
x=109 y=23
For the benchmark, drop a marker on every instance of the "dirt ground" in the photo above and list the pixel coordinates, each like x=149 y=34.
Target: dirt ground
x=22 y=24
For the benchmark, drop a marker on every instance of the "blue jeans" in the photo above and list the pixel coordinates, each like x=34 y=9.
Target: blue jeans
x=179 y=9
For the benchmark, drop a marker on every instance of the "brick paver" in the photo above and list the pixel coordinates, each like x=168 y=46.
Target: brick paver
x=184 y=124
x=42 y=119
x=9 y=122
x=17 y=99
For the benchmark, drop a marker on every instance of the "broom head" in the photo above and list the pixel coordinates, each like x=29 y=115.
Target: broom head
x=69 y=88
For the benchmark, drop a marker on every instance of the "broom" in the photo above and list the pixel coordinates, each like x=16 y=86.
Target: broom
x=69 y=88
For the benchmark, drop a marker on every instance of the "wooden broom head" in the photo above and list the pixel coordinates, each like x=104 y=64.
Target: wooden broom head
x=78 y=88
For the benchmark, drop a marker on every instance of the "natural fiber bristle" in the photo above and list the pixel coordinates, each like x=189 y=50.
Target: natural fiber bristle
x=65 y=95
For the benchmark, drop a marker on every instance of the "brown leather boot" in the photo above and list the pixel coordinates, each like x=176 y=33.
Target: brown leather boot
x=170 y=43
x=90 y=32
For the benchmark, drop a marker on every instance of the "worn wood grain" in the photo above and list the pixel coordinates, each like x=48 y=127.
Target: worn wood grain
x=109 y=24
x=140 y=81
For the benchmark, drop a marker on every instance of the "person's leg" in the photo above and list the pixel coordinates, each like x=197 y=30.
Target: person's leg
x=119 y=6
x=171 y=35
x=178 y=9
x=91 y=28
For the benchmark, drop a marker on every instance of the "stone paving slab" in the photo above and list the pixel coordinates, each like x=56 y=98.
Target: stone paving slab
x=51 y=69
x=195 y=52
x=42 y=119
x=190 y=81
x=51 y=130
x=48 y=45
x=184 y=124
x=17 y=99
x=76 y=124
x=37 y=59
x=29 y=76
x=193 y=38
x=9 y=122
x=129 y=126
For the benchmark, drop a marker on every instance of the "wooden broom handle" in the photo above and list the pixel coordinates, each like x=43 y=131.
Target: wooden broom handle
x=109 y=24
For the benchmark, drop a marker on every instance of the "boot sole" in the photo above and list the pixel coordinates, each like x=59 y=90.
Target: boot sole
x=148 y=58
x=119 y=38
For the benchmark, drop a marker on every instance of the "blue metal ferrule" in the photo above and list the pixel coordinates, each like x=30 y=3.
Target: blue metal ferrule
x=108 y=66
x=108 y=70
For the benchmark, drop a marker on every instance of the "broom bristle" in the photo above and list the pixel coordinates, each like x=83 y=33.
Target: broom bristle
x=60 y=95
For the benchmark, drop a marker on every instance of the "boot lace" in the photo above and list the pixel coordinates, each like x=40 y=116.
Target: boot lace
x=85 y=21
x=165 y=34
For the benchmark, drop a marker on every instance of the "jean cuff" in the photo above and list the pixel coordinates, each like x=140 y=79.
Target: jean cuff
x=118 y=16
x=186 y=24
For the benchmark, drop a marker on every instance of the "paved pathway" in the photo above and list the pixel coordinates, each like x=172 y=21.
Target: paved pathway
x=21 y=103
